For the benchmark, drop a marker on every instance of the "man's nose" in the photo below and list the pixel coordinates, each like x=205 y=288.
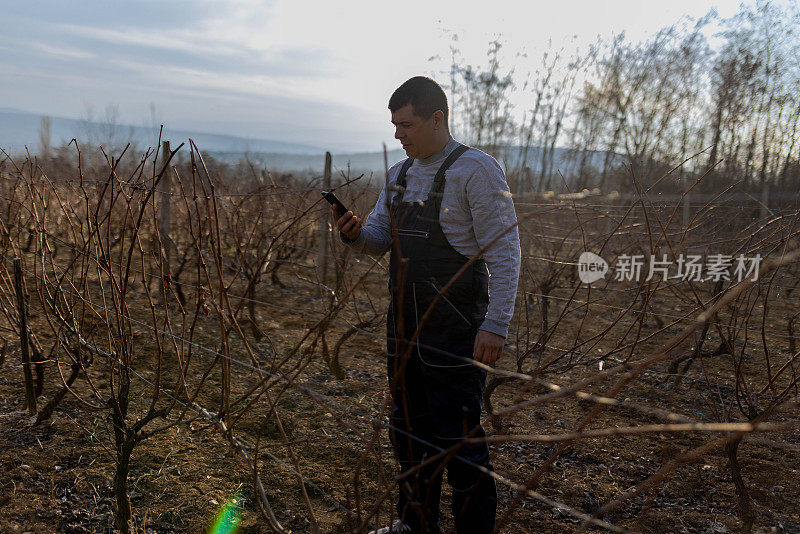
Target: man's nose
x=397 y=133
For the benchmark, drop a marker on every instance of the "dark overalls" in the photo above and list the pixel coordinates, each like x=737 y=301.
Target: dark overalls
x=436 y=391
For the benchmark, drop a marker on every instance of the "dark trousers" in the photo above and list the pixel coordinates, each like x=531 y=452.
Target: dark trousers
x=440 y=405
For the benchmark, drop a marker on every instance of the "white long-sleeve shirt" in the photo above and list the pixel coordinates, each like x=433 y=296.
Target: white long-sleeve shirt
x=477 y=214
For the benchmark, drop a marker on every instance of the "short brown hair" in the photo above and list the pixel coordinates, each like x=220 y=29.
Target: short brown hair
x=425 y=96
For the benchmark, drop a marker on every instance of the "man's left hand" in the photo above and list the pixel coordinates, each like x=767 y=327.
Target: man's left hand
x=488 y=347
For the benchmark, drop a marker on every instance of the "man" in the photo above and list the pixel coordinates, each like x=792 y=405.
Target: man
x=450 y=209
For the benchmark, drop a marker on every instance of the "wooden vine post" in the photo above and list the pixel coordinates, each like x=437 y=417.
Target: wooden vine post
x=324 y=229
x=165 y=216
x=22 y=309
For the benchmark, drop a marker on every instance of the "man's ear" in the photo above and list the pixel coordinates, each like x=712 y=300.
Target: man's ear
x=438 y=119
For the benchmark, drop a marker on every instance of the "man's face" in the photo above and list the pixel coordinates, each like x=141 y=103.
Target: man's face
x=417 y=135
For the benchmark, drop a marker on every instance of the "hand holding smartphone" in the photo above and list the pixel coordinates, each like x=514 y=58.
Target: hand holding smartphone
x=351 y=228
x=333 y=200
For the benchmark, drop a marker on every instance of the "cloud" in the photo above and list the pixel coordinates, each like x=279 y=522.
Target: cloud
x=63 y=52
x=198 y=50
x=153 y=14
x=176 y=40
x=251 y=84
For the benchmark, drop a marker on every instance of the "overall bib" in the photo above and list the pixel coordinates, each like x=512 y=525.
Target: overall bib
x=436 y=391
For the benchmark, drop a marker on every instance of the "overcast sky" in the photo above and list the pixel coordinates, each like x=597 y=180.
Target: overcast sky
x=314 y=72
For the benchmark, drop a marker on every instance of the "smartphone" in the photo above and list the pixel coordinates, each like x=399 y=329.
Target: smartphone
x=333 y=201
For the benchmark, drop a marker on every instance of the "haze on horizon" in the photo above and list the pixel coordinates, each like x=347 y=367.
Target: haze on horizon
x=318 y=74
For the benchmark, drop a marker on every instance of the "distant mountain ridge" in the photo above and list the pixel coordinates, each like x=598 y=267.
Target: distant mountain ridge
x=19 y=129
x=373 y=162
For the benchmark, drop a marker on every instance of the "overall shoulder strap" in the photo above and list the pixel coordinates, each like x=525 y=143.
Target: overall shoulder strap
x=438 y=182
x=401 y=178
x=400 y=183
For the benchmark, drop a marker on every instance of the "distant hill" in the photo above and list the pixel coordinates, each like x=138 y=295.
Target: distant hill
x=363 y=162
x=372 y=162
x=19 y=129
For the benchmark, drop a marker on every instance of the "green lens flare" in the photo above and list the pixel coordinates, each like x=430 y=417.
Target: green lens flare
x=228 y=518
